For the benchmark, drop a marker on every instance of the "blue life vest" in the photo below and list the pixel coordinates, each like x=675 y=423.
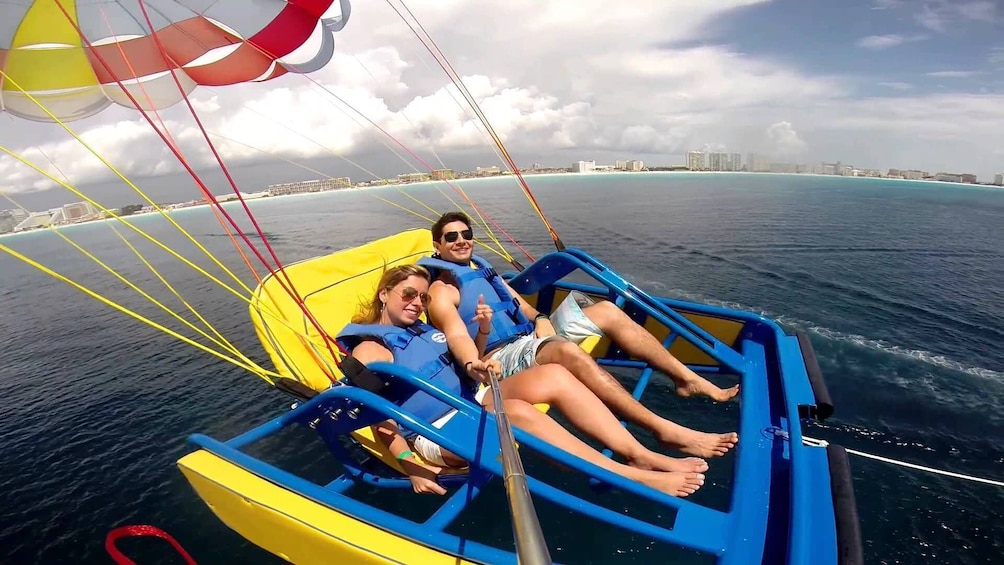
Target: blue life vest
x=508 y=321
x=421 y=348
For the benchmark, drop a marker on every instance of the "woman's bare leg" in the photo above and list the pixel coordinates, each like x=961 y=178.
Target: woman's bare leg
x=553 y=384
x=524 y=416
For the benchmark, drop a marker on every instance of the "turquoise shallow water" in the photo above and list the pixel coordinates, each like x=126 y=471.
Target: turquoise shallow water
x=898 y=284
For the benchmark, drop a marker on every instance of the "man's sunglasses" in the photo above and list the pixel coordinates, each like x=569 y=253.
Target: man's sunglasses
x=409 y=294
x=452 y=236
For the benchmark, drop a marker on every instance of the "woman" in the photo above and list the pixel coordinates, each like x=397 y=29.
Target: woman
x=393 y=318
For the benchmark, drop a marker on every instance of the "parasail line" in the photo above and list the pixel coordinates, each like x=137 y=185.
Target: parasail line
x=191 y=171
x=184 y=260
x=432 y=147
x=448 y=68
x=410 y=152
x=172 y=141
x=129 y=312
x=223 y=167
x=117 y=173
x=121 y=219
x=225 y=343
x=279 y=268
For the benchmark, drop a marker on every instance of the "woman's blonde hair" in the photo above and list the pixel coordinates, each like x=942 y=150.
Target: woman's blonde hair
x=370 y=312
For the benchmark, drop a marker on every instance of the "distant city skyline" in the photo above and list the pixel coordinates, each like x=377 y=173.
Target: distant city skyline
x=17 y=219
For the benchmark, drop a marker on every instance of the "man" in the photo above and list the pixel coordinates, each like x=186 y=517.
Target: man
x=521 y=336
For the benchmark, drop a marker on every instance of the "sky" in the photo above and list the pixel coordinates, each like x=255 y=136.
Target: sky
x=872 y=83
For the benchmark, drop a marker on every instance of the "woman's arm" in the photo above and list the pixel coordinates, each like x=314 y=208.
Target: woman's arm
x=423 y=477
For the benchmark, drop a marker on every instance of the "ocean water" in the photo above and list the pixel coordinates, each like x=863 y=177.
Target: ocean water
x=898 y=284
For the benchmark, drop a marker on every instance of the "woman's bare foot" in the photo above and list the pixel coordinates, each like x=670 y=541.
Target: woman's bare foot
x=693 y=442
x=673 y=484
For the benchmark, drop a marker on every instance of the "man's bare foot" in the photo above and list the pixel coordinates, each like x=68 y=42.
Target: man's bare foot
x=701 y=444
x=673 y=484
x=699 y=386
x=651 y=461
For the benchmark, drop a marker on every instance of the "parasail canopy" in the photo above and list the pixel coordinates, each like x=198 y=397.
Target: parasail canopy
x=75 y=57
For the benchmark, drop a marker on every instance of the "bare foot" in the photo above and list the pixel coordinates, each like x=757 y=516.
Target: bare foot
x=673 y=484
x=699 y=386
x=651 y=461
x=701 y=444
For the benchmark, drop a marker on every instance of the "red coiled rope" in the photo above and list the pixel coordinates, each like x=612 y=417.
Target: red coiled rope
x=130 y=531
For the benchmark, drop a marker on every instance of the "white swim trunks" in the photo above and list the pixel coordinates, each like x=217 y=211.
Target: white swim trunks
x=569 y=322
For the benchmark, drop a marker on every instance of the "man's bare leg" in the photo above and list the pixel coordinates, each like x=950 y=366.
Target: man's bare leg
x=636 y=340
x=620 y=401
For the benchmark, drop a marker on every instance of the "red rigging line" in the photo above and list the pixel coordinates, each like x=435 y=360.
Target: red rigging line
x=172 y=141
x=432 y=169
x=198 y=180
x=417 y=157
x=219 y=159
x=444 y=63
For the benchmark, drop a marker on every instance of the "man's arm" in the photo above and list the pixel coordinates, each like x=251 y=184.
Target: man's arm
x=444 y=315
x=541 y=323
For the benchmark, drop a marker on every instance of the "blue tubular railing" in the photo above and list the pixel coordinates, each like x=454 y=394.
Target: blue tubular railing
x=695 y=527
x=550 y=268
x=810 y=515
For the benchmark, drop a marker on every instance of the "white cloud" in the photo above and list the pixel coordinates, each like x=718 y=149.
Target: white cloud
x=952 y=74
x=897 y=85
x=784 y=140
x=881 y=41
x=941 y=15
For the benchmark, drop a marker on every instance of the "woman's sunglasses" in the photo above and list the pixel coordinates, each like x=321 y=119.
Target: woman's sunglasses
x=452 y=236
x=409 y=294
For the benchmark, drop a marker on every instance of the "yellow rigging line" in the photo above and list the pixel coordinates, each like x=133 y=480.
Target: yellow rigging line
x=226 y=344
x=120 y=176
x=264 y=373
x=151 y=239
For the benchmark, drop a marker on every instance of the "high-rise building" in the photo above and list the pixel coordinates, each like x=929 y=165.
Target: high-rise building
x=718 y=162
x=583 y=166
x=695 y=160
x=736 y=163
x=999 y=179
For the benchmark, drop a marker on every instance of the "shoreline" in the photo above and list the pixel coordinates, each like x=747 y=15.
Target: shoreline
x=499 y=178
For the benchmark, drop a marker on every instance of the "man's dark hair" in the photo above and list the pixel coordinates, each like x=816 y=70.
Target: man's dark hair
x=437 y=228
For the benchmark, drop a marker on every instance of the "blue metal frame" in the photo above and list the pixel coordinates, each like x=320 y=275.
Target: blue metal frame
x=781 y=508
